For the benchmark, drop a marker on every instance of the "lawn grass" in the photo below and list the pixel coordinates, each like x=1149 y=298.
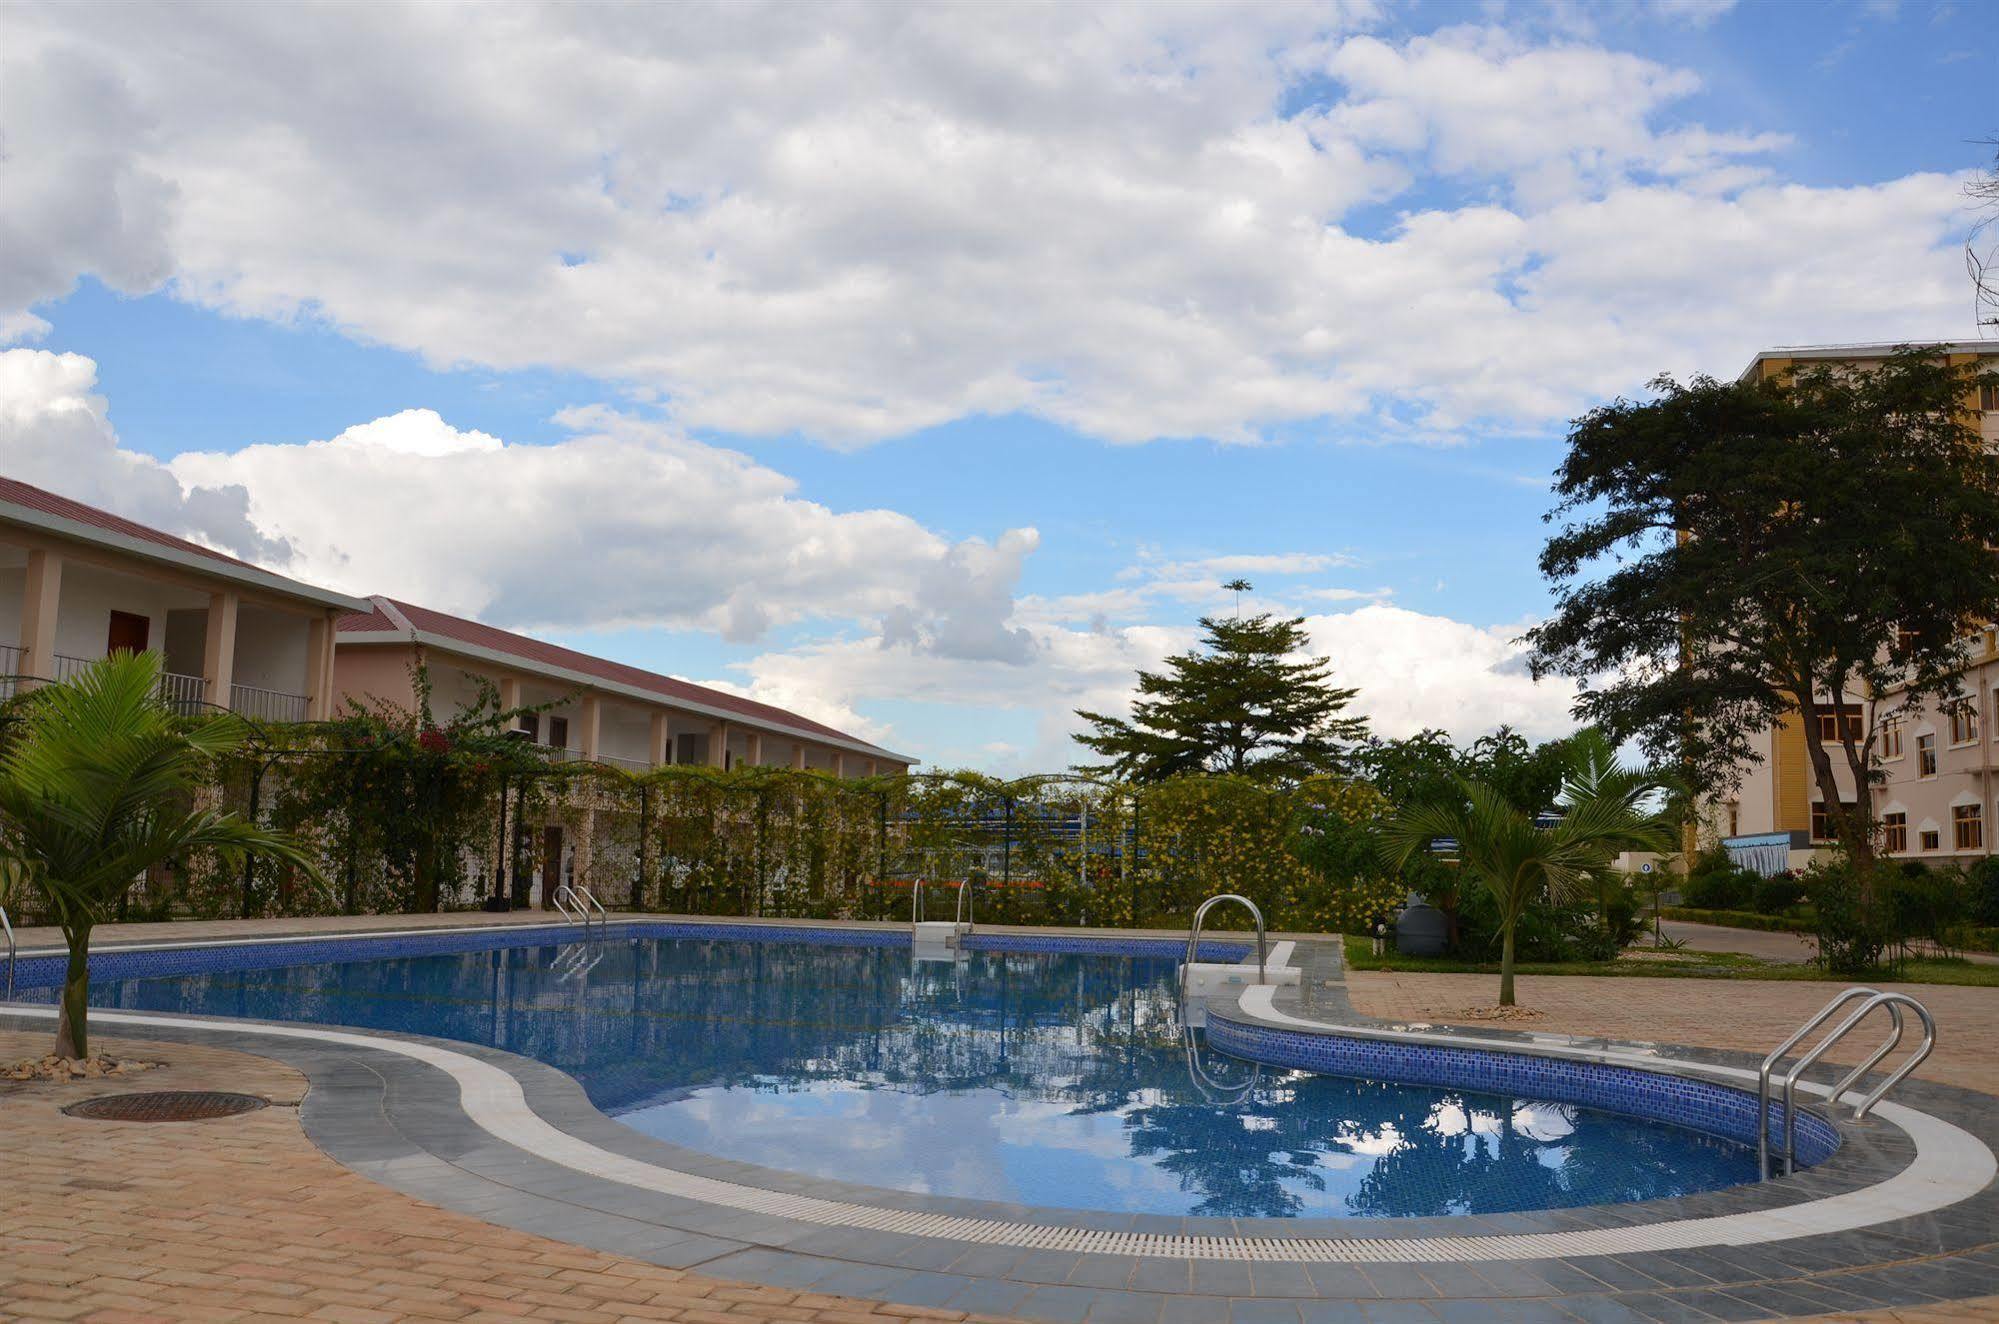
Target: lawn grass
x=1693 y=965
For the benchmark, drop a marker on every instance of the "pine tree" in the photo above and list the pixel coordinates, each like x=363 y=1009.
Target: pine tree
x=1239 y=704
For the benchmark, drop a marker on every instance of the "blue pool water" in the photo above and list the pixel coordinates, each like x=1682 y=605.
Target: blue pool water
x=1040 y=1078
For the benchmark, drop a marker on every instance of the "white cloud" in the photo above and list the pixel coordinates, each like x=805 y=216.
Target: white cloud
x=55 y=432
x=628 y=523
x=624 y=523
x=885 y=217
x=1412 y=670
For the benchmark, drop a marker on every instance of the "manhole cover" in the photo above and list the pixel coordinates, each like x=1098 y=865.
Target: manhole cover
x=165 y=1106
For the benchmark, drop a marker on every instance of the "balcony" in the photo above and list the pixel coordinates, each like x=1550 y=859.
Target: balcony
x=184 y=694
x=263 y=705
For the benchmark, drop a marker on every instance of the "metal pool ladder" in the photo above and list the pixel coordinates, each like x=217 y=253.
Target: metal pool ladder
x=1873 y=998
x=964 y=907
x=9 y=927
x=580 y=904
x=1194 y=934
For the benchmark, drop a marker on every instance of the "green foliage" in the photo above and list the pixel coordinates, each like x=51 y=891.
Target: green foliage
x=1779 y=893
x=1517 y=863
x=1854 y=935
x=1238 y=706
x=1730 y=550
x=100 y=781
x=1984 y=884
x=1425 y=768
x=403 y=799
x=1716 y=882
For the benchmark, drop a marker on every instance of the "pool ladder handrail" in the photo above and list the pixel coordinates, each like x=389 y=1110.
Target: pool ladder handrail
x=581 y=903
x=963 y=920
x=916 y=903
x=1194 y=935
x=1894 y=1002
x=8 y=925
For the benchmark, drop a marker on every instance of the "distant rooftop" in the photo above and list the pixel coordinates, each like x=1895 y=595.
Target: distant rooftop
x=37 y=507
x=407 y=620
x=1869 y=350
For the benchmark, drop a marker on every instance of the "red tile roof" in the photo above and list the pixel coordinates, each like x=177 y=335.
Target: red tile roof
x=15 y=492
x=535 y=652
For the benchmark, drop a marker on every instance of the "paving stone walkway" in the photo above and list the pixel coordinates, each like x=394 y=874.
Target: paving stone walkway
x=242 y=1219
x=1749 y=1016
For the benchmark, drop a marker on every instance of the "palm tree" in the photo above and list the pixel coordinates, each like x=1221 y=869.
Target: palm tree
x=97 y=775
x=1504 y=850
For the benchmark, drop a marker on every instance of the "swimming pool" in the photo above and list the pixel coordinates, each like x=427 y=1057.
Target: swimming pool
x=1051 y=1078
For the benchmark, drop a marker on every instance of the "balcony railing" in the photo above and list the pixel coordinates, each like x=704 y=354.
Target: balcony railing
x=267 y=705
x=184 y=694
x=11 y=659
x=559 y=755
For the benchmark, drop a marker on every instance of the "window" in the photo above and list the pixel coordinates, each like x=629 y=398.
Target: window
x=1967 y=826
x=1894 y=833
x=1891 y=741
x=1822 y=829
x=558 y=733
x=1988 y=397
x=1963 y=723
x=1830 y=724
x=1930 y=840
x=531 y=723
x=1926 y=755
x=1734 y=819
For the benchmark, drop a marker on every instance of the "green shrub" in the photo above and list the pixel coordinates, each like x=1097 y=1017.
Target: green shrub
x=1854 y=934
x=1778 y=894
x=1984 y=886
x=1725 y=888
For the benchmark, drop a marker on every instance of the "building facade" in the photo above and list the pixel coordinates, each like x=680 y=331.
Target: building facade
x=1936 y=796
x=593 y=708
x=78 y=583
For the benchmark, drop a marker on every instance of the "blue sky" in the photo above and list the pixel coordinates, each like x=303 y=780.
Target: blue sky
x=929 y=371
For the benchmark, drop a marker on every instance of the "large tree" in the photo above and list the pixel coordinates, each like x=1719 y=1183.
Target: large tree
x=1736 y=554
x=1247 y=702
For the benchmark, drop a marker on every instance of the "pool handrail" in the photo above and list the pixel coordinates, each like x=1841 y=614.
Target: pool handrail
x=1776 y=1056
x=963 y=919
x=916 y=903
x=568 y=916
x=582 y=902
x=582 y=893
x=1873 y=998
x=1194 y=935
x=8 y=925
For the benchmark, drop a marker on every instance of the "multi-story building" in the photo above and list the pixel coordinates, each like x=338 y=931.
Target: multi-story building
x=78 y=583
x=1936 y=800
x=592 y=708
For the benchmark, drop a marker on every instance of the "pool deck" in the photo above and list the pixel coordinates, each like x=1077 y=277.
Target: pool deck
x=487 y=1197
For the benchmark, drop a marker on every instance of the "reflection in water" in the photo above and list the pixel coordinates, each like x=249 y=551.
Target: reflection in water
x=1055 y=1079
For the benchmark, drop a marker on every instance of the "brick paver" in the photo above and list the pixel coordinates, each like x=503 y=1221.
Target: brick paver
x=243 y=1219
x=1746 y=1015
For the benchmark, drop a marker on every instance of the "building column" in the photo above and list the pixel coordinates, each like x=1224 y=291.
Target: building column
x=593 y=723
x=798 y=756
x=40 y=600
x=584 y=851
x=660 y=753
x=218 y=652
x=756 y=751
x=510 y=693
x=718 y=745
x=839 y=763
x=319 y=668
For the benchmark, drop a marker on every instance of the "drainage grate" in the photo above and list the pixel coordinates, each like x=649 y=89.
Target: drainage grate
x=165 y=1106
